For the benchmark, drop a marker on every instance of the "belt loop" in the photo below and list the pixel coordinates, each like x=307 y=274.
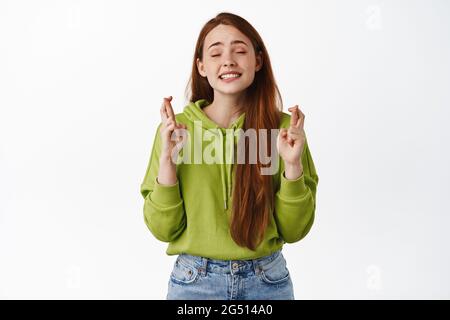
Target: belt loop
x=202 y=269
x=256 y=266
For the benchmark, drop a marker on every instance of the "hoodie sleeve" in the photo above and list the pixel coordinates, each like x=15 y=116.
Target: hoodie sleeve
x=163 y=204
x=295 y=200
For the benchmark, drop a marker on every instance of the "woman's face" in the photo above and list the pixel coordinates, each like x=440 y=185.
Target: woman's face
x=226 y=49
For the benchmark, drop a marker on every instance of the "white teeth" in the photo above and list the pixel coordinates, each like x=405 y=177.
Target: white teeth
x=230 y=75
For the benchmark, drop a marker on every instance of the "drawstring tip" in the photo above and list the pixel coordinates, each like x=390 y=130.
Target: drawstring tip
x=225 y=204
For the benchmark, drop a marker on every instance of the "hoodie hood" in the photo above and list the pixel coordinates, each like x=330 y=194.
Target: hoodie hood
x=193 y=111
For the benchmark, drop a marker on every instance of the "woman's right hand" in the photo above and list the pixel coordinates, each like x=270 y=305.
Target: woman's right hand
x=169 y=125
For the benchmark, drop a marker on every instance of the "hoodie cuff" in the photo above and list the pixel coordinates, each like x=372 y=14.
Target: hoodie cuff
x=166 y=195
x=292 y=188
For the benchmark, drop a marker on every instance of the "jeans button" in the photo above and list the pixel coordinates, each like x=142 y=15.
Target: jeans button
x=235 y=266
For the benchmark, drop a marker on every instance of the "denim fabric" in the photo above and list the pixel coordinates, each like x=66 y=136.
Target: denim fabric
x=195 y=277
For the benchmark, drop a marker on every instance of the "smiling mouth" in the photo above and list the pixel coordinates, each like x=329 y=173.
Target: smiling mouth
x=230 y=76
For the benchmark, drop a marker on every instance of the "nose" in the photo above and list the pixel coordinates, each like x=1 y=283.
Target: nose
x=228 y=60
x=228 y=63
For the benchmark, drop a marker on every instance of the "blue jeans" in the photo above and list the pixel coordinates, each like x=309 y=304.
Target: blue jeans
x=195 y=277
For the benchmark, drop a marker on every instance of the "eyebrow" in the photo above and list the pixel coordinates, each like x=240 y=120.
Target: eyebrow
x=232 y=42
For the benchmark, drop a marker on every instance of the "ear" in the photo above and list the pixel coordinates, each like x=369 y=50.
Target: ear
x=259 y=61
x=201 y=67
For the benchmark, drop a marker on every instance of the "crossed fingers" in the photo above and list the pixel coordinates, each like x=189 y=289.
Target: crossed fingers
x=295 y=130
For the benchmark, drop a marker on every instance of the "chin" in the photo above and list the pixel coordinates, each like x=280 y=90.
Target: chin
x=232 y=89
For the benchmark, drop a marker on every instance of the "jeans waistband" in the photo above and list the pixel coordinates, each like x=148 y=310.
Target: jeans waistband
x=203 y=264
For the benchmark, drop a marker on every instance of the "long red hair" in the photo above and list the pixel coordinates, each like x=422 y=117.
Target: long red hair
x=253 y=200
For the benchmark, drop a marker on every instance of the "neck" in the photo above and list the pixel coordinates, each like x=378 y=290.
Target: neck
x=224 y=109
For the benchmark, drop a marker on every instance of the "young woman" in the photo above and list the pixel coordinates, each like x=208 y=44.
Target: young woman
x=227 y=220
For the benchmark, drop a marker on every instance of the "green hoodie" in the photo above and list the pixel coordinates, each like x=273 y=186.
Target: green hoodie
x=193 y=215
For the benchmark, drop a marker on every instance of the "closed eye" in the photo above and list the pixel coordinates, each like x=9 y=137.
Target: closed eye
x=216 y=55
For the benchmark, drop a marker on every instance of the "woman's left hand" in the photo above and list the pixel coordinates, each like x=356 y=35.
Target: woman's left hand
x=290 y=141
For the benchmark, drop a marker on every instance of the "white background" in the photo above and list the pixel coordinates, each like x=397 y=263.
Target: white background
x=81 y=83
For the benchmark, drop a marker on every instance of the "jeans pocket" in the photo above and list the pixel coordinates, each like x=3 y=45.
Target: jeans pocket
x=275 y=272
x=183 y=273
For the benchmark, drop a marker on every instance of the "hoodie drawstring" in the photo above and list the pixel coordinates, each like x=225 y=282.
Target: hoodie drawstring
x=223 y=173
x=225 y=166
x=230 y=165
x=224 y=187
